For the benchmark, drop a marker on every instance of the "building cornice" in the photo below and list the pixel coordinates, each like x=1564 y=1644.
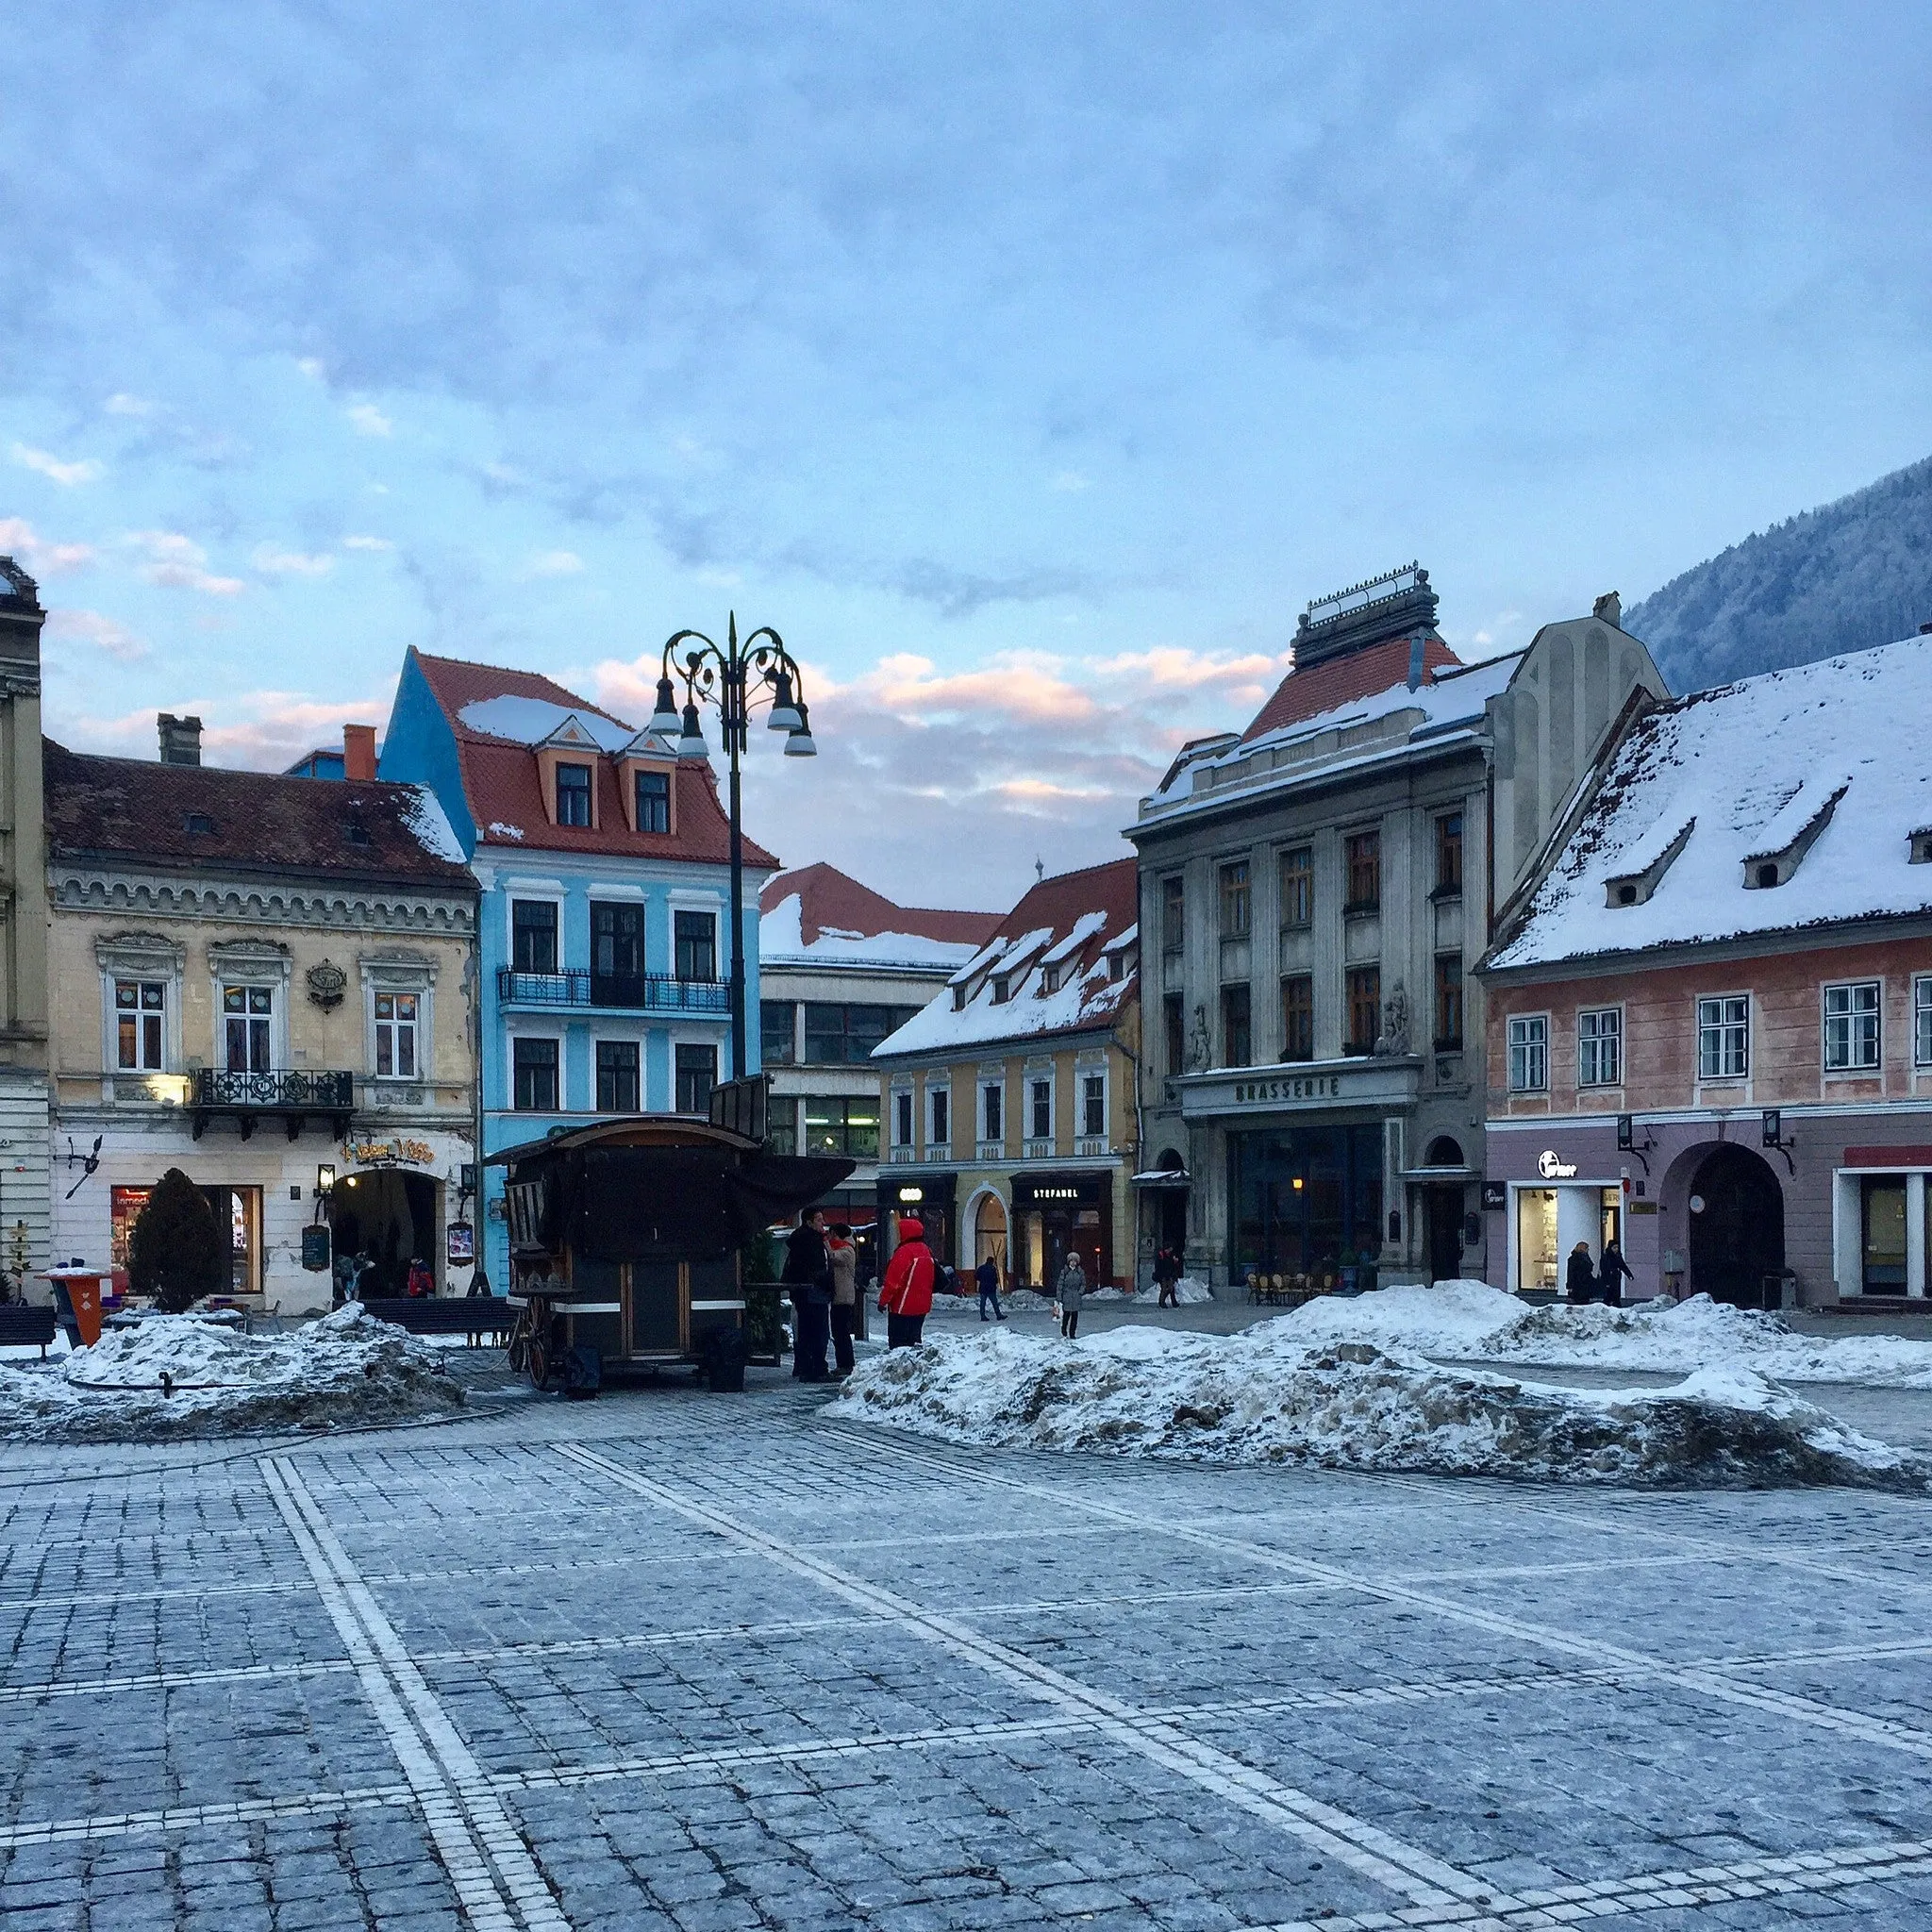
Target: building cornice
x=360 y=906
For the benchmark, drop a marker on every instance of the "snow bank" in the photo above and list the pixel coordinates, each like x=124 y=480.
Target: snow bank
x=1259 y=1397
x=1469 y=1321
x=175 y=1376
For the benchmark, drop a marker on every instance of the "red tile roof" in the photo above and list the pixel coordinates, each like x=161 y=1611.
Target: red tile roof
x=129 y=809
x=830 y=898
x=1336 y=682
x=501 y=785
x=1058 y=904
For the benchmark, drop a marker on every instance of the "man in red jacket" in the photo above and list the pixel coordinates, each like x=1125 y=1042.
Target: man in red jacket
x=906 y=1293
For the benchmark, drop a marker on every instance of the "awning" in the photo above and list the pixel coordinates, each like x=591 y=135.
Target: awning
x=1440 y=1174
x=1164 y=1178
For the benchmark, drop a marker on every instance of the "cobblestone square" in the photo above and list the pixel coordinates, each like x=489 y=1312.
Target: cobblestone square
x=692 y=1662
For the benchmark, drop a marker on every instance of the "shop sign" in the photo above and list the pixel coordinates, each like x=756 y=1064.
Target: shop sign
x=1554 y=1170
x=462 y=1243
x=909 y=1195
x=1056 y=1194
x=1496 y=1195
x=315 y=1249
x=396 y=1153
x=1300 y=1086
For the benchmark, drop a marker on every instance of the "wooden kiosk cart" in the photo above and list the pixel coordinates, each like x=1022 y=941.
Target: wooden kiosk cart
x=625 y=1237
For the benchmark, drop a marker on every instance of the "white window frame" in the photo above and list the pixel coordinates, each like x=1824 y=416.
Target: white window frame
x=995 y=1092
x=1033 y=1082
x=1715 y=1018
x=598 y=1039
x=113 y=982
x=1597 y=1040
x=412 y=975
x=938 y=1096
x=241 y=982
x=1082 y=1075
x=1523 y=1042
x=904 y=1109
x=538 y=892
x=552 y=1032
x=1922 y=1020
x=396 y=1027
x=154 y=961
x=1843 y=1025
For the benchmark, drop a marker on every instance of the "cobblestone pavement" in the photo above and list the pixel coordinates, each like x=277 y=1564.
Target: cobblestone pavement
x=707 y=1663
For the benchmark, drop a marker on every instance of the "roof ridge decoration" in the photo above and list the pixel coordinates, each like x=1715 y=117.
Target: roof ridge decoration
x=1396 y=604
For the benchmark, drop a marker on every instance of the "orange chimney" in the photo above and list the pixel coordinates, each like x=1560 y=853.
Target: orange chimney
x=359 y=752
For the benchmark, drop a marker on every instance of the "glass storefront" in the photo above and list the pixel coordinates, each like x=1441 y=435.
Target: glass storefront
x=1882 y=1235
x=1551 y=1221
x=1303 y=1197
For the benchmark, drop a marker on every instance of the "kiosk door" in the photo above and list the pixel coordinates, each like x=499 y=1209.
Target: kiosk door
x=655 y=1324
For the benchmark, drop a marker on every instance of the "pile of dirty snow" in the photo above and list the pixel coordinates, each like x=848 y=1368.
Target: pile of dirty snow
x=175 y=1376
x=1469 y=1321
x=1260 y=1397
x=1029 y=1301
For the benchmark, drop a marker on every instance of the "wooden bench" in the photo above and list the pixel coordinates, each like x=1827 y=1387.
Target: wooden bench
x=23 y=1326
x=446 y=1314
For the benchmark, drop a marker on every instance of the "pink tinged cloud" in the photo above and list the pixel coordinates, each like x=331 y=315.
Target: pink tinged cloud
x=41 y=557
x=259 y=730
x=178 y=562
x=65 y=473
x=67 y=623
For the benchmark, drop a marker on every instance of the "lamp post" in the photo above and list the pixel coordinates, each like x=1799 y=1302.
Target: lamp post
x=735 y=677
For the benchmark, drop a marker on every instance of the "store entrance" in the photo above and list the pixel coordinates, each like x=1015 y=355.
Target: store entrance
x=387 y=1218
x=1737 y=1227
x=990 y=1234
x=1445 y=1233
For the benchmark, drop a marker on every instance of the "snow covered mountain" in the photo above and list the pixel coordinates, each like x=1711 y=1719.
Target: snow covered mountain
x=1848 y=576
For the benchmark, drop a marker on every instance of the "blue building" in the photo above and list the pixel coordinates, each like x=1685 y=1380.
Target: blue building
x=604 y=864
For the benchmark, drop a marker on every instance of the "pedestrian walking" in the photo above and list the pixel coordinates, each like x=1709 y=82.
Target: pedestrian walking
x=987 y=1276
x=906 y=1293
x=1167 y=1271
x=809 y=1276
x=1613 y=1273
x=1580 y=1276
x=1070 y=1292
x=844 y=1259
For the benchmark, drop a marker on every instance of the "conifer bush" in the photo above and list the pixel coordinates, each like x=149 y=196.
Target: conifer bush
x=178 y=1252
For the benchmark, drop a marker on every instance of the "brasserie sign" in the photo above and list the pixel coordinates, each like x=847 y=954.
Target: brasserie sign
x=1297 y=1087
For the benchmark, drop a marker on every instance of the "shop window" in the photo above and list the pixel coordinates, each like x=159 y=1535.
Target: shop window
x=993 y=1112
x=573 y=795
x=1922 y=1022
x=939 y=1117
x=1851 y=1027
x=902 y=1120
x=1600 y=1047
x=1235 y=900
x=1449 y=853
x=533 y=936
x=533 y=1075
x=842 y=1124
x=654 y=801
x=1882 y=1229
x=781 y=1126
x=1298 y=1017
x=1537 y=1260
x=1363 y=850
x=1364 y=987
x=1529 y=1053
x=777 y=1036
x=1175 y=1031
x=239 y=1209
x=1448 y=1002
x=1173 y=909
x=1094 y=1105
x=1237 y=1032
x=247 y=1028
x=618 y=1083
x=139 y=1009
x=1723 y=1035
x=844 y=1034
x=123 y=1211
x=696 y=1074
x=1298 y=887
x=1039 y=1104
x=397 y=1015
x=695 y=934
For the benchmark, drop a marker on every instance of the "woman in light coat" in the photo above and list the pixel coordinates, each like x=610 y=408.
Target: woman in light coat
x=1070 y=1292
x=843 y=1256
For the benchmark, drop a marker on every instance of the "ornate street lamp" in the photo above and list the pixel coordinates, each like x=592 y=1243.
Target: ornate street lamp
x=736 y=679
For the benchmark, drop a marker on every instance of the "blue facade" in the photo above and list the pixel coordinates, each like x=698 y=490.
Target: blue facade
x=567 y=1006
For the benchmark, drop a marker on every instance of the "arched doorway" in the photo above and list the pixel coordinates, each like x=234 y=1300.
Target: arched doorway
x=1170 y=1203
x=1442 y=1209
x=990 y=1234
x=1738 y=1233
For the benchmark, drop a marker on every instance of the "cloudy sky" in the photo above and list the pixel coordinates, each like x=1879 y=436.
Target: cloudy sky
x=1028 y=367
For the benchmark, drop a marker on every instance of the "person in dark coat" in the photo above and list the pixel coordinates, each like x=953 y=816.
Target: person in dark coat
x=1579 y=1276
x=809 y=1276
x=987 y=1276
x=1613 y=1273
x=1167 y=1271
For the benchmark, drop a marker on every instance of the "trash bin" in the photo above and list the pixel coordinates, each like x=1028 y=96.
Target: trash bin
x=78 y=1300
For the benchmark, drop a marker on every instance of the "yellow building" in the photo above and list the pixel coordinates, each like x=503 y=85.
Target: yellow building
x=1008 y=1101
x=269 y=983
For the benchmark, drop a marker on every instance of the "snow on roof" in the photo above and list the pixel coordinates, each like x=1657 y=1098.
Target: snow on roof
x=1455 y=693
x=535 y=721
x=816 y=912
x=1084 y=928
x=781 y=938
x=422 y=813
x=1753 y=763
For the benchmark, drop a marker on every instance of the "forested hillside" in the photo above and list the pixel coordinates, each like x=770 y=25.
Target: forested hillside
x=1857 y=573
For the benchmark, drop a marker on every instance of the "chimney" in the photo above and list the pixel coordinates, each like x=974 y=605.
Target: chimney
x=359 y=753
x=180 y=739
x=1608 y=608
x=21 y=618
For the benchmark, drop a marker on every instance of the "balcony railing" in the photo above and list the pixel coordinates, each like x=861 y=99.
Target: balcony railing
x=288 y=1094
x=632 y=991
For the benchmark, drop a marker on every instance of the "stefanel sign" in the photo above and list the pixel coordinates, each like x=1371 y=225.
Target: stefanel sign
x=1553 y=1169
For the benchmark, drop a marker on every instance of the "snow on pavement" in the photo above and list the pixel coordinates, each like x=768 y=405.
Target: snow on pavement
x=1266 y=1395
x=175 y=1376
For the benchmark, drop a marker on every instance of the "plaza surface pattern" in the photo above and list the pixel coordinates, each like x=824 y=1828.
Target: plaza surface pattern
x=714 y=1662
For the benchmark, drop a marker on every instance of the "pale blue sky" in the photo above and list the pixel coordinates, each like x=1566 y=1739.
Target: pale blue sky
x=1028 y=367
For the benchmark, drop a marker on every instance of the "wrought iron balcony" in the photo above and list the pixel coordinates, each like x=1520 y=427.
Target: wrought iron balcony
x=288 y=1094
x=624 y=992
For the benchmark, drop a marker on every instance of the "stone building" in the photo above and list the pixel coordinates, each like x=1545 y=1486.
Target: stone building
x=1009 y=1098
x=1313 y=891
x=268 y=983
x=1711 y=1006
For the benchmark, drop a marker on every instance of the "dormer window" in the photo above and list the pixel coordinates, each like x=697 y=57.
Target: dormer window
x=1635 y=888
x=1921 y=845
x=1002 y=989
x=1117 y=964
x=355 y=832
x=198 y=822
x=573 y=795
x=654 y=801
x=1050 y=979
x=1774 y=865
x=958 y=999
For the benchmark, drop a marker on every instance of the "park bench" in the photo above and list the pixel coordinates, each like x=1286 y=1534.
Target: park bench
x=23 y=1326
x=449 y=1314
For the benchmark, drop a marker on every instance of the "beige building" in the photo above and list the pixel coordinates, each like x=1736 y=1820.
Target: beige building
x=268 y=982
x=1010 y=1100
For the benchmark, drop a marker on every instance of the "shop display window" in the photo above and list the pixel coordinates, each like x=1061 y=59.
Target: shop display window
x=1882 y=1234
x=124 y=1208
x=1537 y=1267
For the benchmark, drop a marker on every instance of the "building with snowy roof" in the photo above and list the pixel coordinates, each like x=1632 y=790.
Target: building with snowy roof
x=602 y=860
x=1313 y=888
x=1009 y=1098
x=266 y=982
x=1710 y=1005
x=840 y=968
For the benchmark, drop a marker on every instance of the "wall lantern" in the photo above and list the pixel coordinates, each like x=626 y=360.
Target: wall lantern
x=325 y=1178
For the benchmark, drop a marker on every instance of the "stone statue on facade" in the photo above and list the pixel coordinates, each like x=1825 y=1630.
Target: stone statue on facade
x=1393 y=1037
x=1200 y=1050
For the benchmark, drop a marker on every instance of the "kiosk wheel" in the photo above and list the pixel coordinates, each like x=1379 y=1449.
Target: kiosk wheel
x=517 y=1349
x=540 y=1361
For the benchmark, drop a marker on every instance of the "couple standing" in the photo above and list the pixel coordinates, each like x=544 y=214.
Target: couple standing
x=822 y=1273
